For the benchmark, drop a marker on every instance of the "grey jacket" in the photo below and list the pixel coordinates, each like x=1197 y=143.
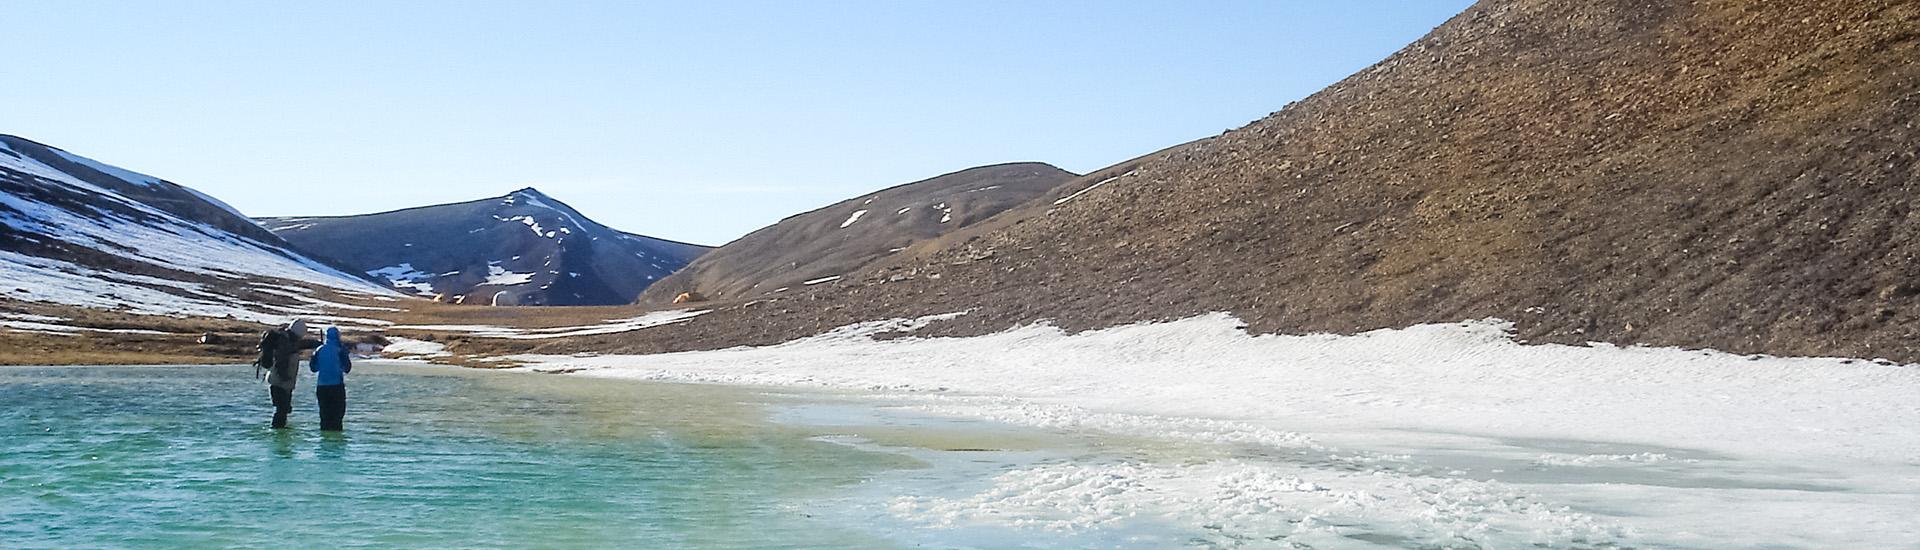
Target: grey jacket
x=284 y=368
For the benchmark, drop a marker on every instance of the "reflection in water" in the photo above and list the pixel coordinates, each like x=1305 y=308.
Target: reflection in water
x=332 y=445
x=281 y=442
x=180 y=457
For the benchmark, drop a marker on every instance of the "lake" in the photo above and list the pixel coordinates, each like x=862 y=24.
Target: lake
x=181 y=457
x=442 y=457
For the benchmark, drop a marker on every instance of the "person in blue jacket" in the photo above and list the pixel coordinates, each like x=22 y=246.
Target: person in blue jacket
x=331 y=364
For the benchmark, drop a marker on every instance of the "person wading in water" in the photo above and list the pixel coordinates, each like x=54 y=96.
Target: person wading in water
x=331 y=364
x=280 y=356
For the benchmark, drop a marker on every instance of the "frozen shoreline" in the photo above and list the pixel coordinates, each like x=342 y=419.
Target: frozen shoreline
x=1445 y=434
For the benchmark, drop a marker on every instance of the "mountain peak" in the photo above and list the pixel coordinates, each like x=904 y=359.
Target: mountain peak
x=529 y=196
x=521 y=248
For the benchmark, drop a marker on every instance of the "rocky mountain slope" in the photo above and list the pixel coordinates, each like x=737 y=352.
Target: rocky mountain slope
x=815 y=247
x=525 y=248
x=1738 y=176
x=76 y=234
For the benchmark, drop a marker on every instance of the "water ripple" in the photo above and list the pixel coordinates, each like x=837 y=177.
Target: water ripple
x=180 y=457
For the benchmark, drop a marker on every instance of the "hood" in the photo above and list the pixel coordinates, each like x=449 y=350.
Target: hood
x=333 y=336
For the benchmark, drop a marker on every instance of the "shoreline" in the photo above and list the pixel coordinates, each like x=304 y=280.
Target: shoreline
x=1542 y=443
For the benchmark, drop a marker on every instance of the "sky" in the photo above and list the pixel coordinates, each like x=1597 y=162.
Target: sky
x=692 y=121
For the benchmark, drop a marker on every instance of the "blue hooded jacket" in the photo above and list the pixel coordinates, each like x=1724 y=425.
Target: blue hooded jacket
x=331 y=360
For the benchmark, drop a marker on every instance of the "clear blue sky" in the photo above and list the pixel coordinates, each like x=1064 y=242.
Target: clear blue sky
x=696 y=121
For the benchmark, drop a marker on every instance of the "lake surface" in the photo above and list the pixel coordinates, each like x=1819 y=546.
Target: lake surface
x=181 y=457
x=438 y=457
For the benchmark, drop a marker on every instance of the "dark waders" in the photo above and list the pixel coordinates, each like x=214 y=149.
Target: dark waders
x=333 y=406
x=282 y=404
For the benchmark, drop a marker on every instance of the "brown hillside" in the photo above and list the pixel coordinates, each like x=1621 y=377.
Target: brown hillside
x=1735 y=175
x=841 y=238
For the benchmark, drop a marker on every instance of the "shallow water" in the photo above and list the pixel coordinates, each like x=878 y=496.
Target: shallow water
x=181 y=457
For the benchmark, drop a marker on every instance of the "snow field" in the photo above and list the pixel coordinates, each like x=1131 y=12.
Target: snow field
x=128 y=176
x=405 y=276
x=413 y=349
x=611 y=326
x=1450 y=435
x=46 y=324
x=499 y=276
x=302 y=295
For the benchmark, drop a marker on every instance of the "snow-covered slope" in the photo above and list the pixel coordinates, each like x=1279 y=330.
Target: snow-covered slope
x=78 y=232
x=525 y=248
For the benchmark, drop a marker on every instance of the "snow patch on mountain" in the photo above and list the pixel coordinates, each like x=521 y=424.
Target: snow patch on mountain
x=47 y=324
x=854 y=218
x=405 y=276
x=1076 y=194
x=497 y=275
x=37 y=279
x=57 y=329
x=535 y=225
x=128 y=176
x=533 y=198
x=172 y=242
x=287 y=224
x=611 y=326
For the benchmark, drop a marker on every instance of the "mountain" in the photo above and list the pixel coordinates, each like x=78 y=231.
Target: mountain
x=1708 y=175
x=525 y=248
x=833 y=241
x=1729 y=175
x=79 y=233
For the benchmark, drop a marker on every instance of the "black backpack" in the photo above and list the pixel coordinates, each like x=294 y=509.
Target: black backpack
x=270 y=342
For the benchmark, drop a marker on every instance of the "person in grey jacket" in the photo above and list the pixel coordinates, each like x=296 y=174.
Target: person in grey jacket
x=280 y=355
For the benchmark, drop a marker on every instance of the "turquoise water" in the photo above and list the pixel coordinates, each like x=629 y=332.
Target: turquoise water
x=181 y=457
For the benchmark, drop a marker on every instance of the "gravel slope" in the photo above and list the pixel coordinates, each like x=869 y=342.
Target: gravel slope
x=1733 y=176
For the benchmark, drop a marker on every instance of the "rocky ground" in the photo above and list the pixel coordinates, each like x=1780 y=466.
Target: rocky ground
x=843 y=237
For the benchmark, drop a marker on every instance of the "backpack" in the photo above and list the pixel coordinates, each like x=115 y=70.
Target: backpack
x=270 y=342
